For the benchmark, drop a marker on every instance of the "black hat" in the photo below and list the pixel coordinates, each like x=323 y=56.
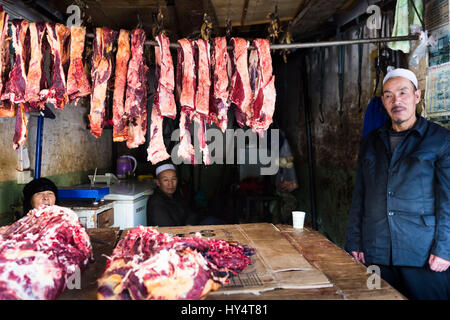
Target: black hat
x=35 y=186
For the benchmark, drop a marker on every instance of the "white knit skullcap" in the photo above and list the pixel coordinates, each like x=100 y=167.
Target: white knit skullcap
x=404 y=73
x=165 y=167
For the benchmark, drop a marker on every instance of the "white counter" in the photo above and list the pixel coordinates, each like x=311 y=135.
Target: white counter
x=129 y=190
x=130 y=205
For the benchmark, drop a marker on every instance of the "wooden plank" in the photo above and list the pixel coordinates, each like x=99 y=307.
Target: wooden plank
x=347 y=275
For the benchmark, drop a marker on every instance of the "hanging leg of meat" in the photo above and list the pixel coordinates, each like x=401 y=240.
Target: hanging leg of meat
x=100 y=74
x=120 y=129
x=156 y=151
x=57 y=95
x=136 y=95
x=77 y=83
x=17 y=81
x=265 y=94
x=20 y=131
x=201 y=135
x=220 y=96
x=186 y=74
x=185 y=148
x=36 y=79
x=186 y=84
x=4 y=50
x=203 y=78
x=164 y=78
x=241 y=93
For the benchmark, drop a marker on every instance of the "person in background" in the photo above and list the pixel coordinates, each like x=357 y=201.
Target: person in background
x=166 y=206
x=400 y=212
x=38 y=192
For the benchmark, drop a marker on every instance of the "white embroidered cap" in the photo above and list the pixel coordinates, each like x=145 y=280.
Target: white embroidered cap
x=165 y=167
x=404 y=73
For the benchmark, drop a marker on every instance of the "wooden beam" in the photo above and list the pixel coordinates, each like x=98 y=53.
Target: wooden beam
x=255 y=22
x=303 y=12
x=244 y=12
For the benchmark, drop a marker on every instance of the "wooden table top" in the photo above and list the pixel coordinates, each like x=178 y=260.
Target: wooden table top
x=349 y=277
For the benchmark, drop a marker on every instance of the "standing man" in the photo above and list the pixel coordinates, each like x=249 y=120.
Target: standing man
x=400 y=211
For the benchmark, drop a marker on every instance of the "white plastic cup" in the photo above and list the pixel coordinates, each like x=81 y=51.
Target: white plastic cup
x=298 y=219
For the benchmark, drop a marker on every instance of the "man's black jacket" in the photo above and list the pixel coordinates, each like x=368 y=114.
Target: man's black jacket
x=165 y=211
x=402 y=203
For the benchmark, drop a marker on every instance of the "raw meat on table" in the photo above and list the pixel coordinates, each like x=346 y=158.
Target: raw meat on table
x=40 y=252
x=147 y=264
x=102 y=65
x=136 y=94
x=120 y=128
x=77 y=82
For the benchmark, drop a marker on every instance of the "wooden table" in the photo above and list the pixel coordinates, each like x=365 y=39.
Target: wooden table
x=348 y=277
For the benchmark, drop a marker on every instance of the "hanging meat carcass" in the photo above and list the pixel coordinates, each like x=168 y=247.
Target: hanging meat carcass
x=120 y=122
x=202 y=94
x=186 y=88
x=218 y=108
x=263 y=105
x=156 y=151
x=136 y=95
x=20 y=130
x=17 y=81
x=147 y=264
x=77 y=82
x=241 y=92
x=41 y=252
x=163 y=102
x=164 y=78
x=36 y=79
x=102 y=66
x=7 y=109
x=57 y=34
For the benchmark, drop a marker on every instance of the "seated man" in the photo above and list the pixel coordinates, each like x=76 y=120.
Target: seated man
x=166 y=207
x=37 y=192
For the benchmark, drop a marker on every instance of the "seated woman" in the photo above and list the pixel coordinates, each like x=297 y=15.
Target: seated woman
x=166 y=207
x=38 y=192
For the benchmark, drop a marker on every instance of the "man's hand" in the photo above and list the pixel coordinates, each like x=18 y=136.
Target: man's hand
x=438 y=264
x=359 y=256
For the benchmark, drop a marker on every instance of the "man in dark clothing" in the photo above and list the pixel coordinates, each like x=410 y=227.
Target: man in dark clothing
x=400 y=211
x=166 y=207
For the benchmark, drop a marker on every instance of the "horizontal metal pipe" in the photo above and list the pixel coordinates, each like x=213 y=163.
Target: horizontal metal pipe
x=309 y=44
